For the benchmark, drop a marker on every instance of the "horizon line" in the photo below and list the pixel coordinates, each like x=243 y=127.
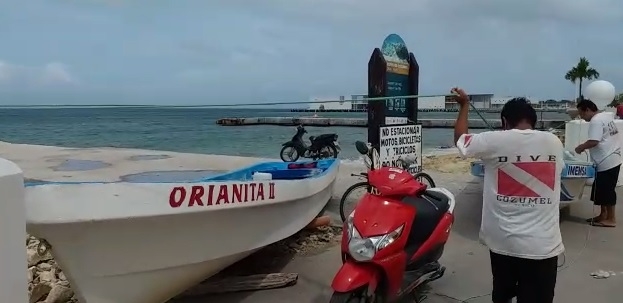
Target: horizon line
x=132 y=105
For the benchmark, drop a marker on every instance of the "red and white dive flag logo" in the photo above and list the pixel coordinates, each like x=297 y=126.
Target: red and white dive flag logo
x=527 y=179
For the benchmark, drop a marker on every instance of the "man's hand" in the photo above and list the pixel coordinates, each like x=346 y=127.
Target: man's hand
x=586 y=145
x=461 y=96
x=461 y=125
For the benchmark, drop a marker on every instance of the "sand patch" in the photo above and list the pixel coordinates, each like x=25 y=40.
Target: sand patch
x=452 y=163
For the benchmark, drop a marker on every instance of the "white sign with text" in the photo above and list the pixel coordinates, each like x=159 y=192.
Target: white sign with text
x=402 y=142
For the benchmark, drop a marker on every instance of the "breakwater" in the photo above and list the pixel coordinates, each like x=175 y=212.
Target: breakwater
x=363 y=122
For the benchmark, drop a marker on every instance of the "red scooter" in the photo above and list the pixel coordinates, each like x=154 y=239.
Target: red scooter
x=393 y=240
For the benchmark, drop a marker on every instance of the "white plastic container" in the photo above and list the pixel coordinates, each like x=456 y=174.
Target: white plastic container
x=257 y=176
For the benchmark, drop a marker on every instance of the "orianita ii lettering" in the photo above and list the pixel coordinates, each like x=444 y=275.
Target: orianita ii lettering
x=220 y=194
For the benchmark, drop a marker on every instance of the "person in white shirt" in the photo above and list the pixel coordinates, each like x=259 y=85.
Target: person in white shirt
x=521 y=197
x=604 y=148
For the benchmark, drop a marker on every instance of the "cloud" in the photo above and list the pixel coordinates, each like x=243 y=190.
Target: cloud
x=50 y=74
x=226 y=51
x=56 y=73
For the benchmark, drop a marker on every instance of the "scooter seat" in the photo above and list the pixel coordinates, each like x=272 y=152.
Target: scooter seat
x=323 y=137
x=430 y=208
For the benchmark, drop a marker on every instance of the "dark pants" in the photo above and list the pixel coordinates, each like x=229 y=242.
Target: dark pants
x=531 y=281
x=603 y=192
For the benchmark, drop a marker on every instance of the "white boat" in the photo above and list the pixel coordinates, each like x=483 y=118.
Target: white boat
x=123 y=242
x=574 y=178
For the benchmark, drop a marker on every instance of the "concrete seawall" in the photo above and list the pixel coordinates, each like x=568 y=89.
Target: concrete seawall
x=362 y=122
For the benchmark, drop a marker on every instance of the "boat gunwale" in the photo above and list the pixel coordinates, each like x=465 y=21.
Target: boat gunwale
x=333 y=163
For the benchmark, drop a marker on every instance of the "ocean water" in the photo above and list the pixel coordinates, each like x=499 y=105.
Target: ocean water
x=184 y=129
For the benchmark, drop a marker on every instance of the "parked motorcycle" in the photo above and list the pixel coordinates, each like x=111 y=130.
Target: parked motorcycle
x=392 y=241
x=323 y=146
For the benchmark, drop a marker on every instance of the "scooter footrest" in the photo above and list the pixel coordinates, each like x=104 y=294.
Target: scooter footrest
x=429 y=272
x=438 y=274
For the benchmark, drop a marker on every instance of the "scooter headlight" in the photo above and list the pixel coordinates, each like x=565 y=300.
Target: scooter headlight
x=389 y=238
x=364 y=249
x=361 y=249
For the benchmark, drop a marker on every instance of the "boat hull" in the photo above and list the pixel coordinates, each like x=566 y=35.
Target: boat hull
x=150 y=249
x=574 y=178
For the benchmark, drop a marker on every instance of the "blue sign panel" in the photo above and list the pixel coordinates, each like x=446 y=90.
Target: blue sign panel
x=396 y=55
x=578 y=171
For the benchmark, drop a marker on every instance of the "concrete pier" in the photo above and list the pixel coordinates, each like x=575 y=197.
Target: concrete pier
x=363 y=122
x=423 y=110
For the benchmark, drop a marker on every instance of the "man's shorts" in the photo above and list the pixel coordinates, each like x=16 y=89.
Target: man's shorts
x=603 y=192
x=531 y=281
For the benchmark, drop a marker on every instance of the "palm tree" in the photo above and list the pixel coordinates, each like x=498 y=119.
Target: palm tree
x=617 y=100
x=580 y=72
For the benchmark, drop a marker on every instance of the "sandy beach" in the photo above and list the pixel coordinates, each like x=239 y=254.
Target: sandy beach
x=47 y=282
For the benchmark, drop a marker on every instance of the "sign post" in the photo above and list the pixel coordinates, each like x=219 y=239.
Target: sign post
x=392 y=123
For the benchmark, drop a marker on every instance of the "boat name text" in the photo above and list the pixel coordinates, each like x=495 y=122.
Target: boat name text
x=215 y=194
x=577 y=170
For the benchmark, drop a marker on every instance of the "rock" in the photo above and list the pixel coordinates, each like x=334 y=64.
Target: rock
x=61 y=276
x=32 y=271
x=39 y=292
x=59 y=294
x=34 y=258
x=44 y=266
x=46 y=282
x=47 y=276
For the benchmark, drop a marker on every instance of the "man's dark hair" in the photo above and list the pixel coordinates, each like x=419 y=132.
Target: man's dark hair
x=517 y=110
x=586 y=104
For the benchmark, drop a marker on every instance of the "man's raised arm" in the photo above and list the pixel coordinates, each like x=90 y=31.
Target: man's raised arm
x=469 y=145
x=462 y=120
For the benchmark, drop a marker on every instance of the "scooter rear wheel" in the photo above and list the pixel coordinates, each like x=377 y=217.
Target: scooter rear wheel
x=326 y=152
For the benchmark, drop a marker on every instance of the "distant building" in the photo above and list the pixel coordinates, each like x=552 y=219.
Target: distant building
x=480 y=101
x=556 y=104
x=339 y=103
x=359 y=103
x=498 y=102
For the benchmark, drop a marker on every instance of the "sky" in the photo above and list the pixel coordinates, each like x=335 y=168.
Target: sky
x=241 y=51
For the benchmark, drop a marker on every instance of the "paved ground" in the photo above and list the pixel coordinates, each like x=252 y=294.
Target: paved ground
x=468 y=272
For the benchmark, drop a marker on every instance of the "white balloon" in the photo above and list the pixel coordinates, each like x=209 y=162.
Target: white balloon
x=601 y=92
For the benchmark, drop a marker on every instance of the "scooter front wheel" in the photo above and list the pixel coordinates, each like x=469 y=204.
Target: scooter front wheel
x=289 y=154
x=356 y=296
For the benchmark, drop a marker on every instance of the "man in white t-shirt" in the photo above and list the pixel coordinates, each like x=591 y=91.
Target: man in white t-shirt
x=605 y=151
x=521 y=197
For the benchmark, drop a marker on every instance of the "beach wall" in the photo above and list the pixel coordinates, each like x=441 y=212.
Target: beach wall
x=576 y=132
x=13 y=278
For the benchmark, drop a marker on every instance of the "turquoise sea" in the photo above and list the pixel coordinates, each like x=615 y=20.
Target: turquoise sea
x=183 y=129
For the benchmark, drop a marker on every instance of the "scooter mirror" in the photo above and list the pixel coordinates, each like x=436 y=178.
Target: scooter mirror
x=362 y=147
